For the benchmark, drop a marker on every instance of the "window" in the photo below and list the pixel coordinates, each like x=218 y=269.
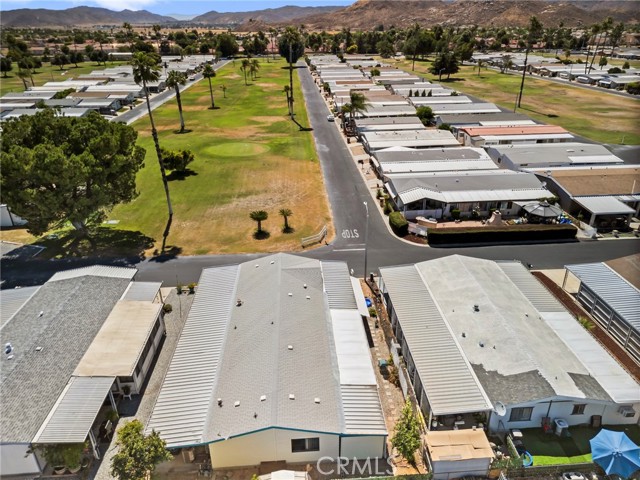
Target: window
x=521 y=414
x=305 y=445
x=578 y=409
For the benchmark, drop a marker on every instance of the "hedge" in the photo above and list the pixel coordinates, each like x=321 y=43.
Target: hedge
x=444 y=236
x=398 y=223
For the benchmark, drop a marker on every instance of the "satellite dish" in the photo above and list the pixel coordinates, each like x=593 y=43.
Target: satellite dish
x=500 y=409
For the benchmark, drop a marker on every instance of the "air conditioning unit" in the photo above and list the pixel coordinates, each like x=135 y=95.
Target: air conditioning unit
x=627 y=411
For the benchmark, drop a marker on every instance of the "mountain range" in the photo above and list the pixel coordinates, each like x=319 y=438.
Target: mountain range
x=363 y=14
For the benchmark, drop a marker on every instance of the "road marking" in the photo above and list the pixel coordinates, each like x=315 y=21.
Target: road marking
x=348 y=250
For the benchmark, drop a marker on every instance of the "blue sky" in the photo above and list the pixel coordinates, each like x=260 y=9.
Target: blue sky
x=162 y=7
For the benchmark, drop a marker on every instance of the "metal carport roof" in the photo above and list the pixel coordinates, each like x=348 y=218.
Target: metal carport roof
x=604 y=205
x=73 y=414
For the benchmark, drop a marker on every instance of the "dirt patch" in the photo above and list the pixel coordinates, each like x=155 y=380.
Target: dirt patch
x=268 y=85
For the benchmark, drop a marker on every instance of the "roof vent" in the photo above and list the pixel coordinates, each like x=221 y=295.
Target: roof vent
x=255 y=414
x=304 y=286
x=219 y=402
x=290 y=347
x=290 y=294
x=272 y=262
x=263 y=398
x=8 y=348
x=238 y=303
x=308 y=297
x=481 y=344
x=292 y=396
x=464 y=335
x=38 y=349
x=237 y=403
x=476 y=308
x=41 y=313
x=316 y=400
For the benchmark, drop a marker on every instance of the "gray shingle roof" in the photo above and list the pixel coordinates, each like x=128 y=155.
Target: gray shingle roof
x=73 y=309
x=13 y=300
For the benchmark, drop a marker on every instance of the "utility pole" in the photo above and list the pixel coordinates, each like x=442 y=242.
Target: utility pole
x=366 y=241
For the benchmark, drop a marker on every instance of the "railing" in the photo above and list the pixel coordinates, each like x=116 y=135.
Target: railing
x=318 y=237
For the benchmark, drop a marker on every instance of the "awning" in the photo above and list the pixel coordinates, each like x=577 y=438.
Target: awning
x=605 y=205
x=73 y=414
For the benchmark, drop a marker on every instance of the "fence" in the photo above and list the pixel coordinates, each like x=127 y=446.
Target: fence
x=318 y=237
x=554 y=470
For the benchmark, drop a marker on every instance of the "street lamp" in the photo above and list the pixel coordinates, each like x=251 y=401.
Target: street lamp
x=366 y=241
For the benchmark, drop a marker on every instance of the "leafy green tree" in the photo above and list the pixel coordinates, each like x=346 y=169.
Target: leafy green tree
x=5 y=66
x=291 y=48
x=58 y=169
x=174 y=80
x=425 y=114
x=259 y=216
x=375 y=72
x=446 y=63
x=146 y=69
x=208 y=72
x=385 y=48
x=227 y=45
x=625 y=65
x=286 y=213
x=407 y=434
x=138 y=454
x=244 y=66
x=603 y=62
x=177 y=160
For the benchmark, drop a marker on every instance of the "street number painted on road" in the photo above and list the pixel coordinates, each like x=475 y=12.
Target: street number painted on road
x=350 y=233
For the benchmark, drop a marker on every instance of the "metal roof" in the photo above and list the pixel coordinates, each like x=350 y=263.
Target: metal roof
x=529 y=285
x=337 y=285
x=362 y=410
x=432 y=154
x=182 y=408
x=12 y=301
x=609 y=374
x=75 y=410
x=96 y=271
x=603 y=205
x=465 y=108
x=445 y=166
x=448 y=379
x=565 y=153
x=351 y=348
x=142 y=291
x=622 y=297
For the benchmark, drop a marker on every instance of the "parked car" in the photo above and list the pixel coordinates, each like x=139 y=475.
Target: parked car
x=573 y=476
x=331 y=118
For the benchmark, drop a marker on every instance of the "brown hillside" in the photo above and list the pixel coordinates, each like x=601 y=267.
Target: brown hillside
x=366 y=14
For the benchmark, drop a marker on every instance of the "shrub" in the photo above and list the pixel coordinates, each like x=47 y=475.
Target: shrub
x=373 y=312
x=455 y=214
x=167 y=308
x=445 y=236
x=387 y=208
x=398 y=223
x=179 y=289
x=424 y=93
x=445 y=126
x=379 y=193
x=626 y=65
x=633 y=88
x=192 y=287
x=615 y=70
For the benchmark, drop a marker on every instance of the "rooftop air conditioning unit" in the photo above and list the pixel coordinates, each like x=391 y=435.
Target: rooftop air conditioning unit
x=627 y=411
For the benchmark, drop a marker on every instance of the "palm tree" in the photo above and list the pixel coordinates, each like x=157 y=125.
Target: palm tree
x=535 y=30
x=287 y=92
x=146 y=69
x=174 y=80
x=23 y=75
x=209 y=73
x=357 y=105
x=259 y=216
x=254 y=67
x=246 y=64
x=286 y=213
x=480 y=65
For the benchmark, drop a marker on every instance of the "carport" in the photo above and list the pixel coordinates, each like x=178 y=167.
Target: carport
x=605 y=211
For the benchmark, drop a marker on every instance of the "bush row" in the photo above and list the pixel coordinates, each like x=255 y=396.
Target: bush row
x=398 y=223
x=444 y=236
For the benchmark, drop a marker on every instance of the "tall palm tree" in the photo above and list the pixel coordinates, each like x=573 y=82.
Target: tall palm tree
x=259 y=216
x=246 y=64
x=254 y=67
x=287 y=91
x=286 y=213
x=146 y=69
x=535 y=30
x=174 y=80
x=209 y=73
x=23 y=75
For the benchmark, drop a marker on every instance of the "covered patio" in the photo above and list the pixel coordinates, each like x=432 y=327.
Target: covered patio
x=605 y=212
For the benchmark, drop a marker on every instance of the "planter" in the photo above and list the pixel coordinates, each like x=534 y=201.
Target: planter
x=59 y=470
x=76 y=469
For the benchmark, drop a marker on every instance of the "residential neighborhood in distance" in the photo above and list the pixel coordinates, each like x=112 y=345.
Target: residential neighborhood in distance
x=334 y=239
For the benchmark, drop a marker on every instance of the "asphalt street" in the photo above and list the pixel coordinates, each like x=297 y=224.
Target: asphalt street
x=141 y=110
x=347 y=192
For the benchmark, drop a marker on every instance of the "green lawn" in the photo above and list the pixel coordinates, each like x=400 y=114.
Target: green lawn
x=593 y=114
x=249 y=156
x=548 y=449
x=49 y=73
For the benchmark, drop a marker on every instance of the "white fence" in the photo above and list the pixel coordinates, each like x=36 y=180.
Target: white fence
x=318 y=237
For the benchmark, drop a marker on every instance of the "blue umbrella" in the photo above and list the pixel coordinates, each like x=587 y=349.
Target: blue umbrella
x=615 y=453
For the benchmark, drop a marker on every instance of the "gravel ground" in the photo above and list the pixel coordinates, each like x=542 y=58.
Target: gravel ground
x=174 y=322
